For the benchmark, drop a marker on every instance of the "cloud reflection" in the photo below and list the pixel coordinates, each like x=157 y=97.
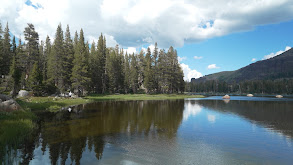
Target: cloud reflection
x=212 y=118
x=191 y=109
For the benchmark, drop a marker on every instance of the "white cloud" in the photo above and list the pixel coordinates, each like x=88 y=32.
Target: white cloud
x=276 y=54
x=189 y=73
x=213 y=66
x=253 y=59
x=197 y=57
x=134 y=23
x=180 y=59
x=130 y=50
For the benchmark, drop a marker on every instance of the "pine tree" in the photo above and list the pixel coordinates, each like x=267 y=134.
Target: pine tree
x=56 y=63
x=36 y=80
x=7 y=55
x=21 y=61
x=15 y=74
x=93 y=68
x=141 y=67
x=148 y=72
x=1 y=53
x=101 y=53
x=80 y=77
x=13 y=51
x=134 y=72
x=127 y=73
x=155 y=67
x=163 y=72
x=110 y=72
x=32 y=47
x=120 y=71
x=47 y=51
x=68 y=58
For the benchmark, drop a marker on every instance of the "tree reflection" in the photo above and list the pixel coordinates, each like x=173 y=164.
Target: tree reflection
x=66 y=135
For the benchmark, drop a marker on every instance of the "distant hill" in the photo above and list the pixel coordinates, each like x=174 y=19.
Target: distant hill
x=278 y=67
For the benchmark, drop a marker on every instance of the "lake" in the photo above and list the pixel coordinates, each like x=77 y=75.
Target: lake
x=243 y=130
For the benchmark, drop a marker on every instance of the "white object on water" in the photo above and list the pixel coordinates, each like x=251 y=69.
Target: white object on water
x=279 y=96
x=249 y=95
x=69 y=109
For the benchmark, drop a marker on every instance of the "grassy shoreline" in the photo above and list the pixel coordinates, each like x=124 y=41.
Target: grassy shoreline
x=52 y=104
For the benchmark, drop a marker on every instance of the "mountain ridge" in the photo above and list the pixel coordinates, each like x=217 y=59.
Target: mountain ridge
x=277 y=67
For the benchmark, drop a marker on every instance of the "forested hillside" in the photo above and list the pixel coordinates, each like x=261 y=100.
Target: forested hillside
x=271 y=76
x=72 y=64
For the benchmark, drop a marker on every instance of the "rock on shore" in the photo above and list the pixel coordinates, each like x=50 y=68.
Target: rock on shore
x=7 y=104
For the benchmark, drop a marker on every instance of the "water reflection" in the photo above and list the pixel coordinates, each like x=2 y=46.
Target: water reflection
x=201 y=131
x=191 y=109
x=65 y=135
x=274 y=115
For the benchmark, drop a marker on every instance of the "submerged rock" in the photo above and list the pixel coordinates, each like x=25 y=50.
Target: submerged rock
x=249 y=95
x=279 y=96
x=226 y=97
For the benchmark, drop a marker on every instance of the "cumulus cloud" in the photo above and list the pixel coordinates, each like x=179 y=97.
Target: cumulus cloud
x=189 y=73
x=253 y=59
x=213 y=66
x=131 y=23
x=197 y=57
x=180 y=59
x=276 y=54
x=130 y=50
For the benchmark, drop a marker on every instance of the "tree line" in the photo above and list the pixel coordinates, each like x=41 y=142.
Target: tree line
x=72 y=64
x=279 y=86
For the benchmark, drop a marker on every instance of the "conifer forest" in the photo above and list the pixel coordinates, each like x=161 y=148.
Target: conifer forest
x=70 y=63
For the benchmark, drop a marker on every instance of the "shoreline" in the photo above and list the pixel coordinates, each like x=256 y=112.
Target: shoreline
x=56 y=103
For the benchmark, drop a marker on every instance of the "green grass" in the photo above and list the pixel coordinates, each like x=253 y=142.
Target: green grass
x=49 y=103
x=53 y=104
x=141 y=97
x=15 y=127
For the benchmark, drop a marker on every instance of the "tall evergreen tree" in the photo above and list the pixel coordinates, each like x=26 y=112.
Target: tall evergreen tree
x=32 y=47
x=15 y=74
x=127 y=73
x=101 y=57
x=93 y=68
x=80 y=77
x=110 y=72
x=155 y=67
x=141 y=67
x=56 y=63
x=134 y=73
x=1 y=53
x=148 y=72
x=6 y=53
x=36 y=80
x=13 y=50
x=47 y=52
x=68 y=60
x=21 y=61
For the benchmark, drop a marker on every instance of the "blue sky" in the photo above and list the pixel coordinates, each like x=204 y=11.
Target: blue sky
x=237 y=50
x=225 y=35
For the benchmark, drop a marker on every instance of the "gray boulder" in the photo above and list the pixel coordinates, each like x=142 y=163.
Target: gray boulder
x=8 y=104
x=23 y=93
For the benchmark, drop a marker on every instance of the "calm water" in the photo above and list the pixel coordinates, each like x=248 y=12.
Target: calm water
x=193 y=131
